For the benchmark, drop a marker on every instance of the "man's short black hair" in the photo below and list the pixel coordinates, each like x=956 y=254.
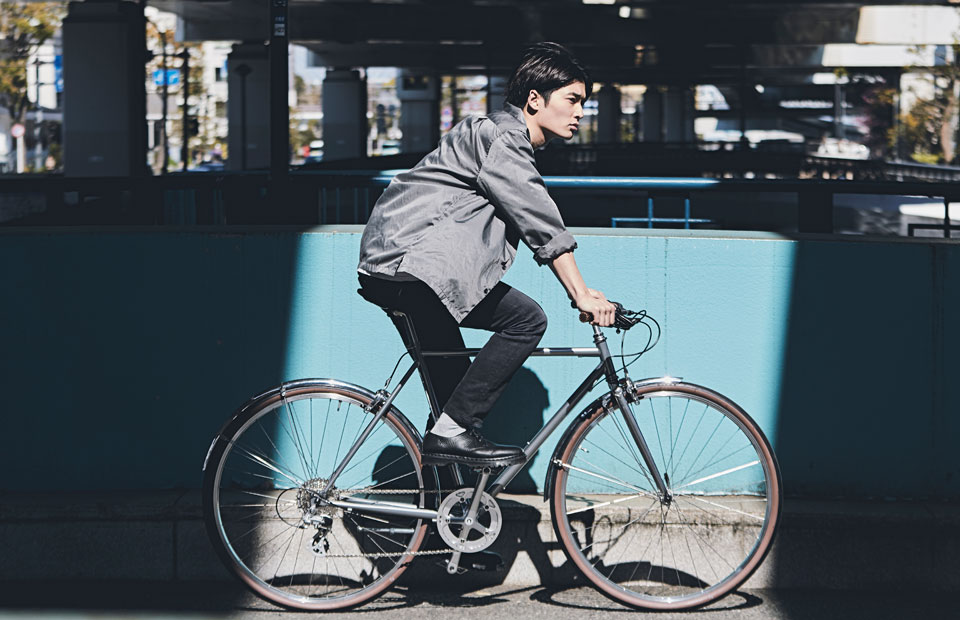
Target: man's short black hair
x=545 y=68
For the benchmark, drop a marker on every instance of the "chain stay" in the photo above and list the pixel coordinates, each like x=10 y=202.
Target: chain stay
x=397 y=553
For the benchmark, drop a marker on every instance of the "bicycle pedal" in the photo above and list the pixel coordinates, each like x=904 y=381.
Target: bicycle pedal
x=479 y=469
x=485 y=561
x=444 y=563
x=481 y=561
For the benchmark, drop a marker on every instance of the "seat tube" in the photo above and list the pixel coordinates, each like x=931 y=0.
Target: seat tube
x=415 y=352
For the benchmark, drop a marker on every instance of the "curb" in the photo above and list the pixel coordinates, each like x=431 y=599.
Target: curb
x=160 y=536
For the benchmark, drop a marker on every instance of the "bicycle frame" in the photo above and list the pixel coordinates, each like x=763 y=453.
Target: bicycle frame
x=605 y=368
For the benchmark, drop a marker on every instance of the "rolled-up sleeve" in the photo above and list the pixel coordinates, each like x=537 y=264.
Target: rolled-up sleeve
x=510 y=180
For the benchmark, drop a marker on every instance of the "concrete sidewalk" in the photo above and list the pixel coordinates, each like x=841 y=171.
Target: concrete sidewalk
x=206 y=600
x=160 y=537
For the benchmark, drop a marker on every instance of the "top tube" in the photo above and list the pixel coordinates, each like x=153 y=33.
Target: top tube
x=540 y=352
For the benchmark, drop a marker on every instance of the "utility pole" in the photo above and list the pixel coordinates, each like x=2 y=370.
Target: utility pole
x=163 y=105
x=185 y=71
x=744 y=143
x=38 y=150
x=279 y=103
x=243 y=70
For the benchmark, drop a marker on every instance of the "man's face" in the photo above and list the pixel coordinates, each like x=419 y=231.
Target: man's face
x=560 y=116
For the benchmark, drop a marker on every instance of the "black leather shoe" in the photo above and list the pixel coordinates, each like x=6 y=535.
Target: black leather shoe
x=469 y=448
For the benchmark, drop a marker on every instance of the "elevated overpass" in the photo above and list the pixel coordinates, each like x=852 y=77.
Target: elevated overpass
x=756 y=53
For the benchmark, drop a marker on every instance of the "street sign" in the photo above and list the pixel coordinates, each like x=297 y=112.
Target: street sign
x=17 y=130
x=173 y=77
x=58 y=72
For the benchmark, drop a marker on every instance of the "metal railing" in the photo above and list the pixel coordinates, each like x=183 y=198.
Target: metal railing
x=339 y=197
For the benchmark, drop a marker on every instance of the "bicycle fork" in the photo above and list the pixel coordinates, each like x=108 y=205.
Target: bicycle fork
x=627 y=411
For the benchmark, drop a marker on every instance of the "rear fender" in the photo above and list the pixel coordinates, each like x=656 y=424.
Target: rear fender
x=347 y=389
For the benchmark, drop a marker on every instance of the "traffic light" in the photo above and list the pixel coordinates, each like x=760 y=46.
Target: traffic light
x=193 y=126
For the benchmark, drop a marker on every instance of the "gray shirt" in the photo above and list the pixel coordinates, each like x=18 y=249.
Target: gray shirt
x=454 y=220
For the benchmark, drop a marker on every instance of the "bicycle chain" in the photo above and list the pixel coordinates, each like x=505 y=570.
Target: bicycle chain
x=390 y=554
x=344 y=492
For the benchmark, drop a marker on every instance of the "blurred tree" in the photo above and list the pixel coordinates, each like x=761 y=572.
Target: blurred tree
x=929 y=127
x=23 y=28
x=879 y=103
x=301 y=133
x=299 y=86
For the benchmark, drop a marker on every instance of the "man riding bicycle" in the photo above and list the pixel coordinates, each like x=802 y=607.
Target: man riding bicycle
x=443 y=234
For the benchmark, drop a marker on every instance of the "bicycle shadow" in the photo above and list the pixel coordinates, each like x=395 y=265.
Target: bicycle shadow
x=517 y=416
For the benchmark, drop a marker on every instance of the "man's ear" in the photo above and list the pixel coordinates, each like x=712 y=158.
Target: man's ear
x=534 y=101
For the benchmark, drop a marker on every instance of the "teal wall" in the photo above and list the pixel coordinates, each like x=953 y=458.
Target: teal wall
x=122 y=352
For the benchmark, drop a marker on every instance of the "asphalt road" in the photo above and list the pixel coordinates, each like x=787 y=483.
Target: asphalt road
x=189 y=601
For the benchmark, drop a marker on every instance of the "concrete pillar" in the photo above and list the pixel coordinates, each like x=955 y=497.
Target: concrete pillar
x=248 y=85
x=344 y=115
x=653 y=129
x=678 y=113
x=608 y=115
x=104 y=105
x=419 y=96
x=496 y=92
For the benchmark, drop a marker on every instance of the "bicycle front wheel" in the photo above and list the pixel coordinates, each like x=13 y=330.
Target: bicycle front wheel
x=264 y=496
x=686 y=551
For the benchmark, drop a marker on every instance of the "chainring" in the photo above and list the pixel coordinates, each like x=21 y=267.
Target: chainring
x=457 y=534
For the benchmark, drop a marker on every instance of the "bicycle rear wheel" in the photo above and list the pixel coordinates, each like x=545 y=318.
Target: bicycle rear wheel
x=713 y=533
x=263 y=496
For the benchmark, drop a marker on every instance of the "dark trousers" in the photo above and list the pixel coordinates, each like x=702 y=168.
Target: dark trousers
x=466 y=391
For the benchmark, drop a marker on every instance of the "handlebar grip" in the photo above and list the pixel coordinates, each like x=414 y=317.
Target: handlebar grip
x=585 y=317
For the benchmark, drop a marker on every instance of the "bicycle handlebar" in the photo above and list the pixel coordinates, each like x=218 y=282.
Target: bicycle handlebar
x=623 y=318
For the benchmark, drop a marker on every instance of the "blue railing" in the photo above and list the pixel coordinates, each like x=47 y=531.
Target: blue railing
x=815 y=198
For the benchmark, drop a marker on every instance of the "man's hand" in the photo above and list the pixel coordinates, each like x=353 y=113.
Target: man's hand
x=594 y=302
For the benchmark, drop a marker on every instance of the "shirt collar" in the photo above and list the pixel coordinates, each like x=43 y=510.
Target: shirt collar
x=517 y=114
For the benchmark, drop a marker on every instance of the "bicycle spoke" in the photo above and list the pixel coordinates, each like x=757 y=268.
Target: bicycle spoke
x=712 y=459
x=301 y=451
x=590 y=473
x=746 y=514
x=676 y=438
x=720 y=474
x=602 y=504
x=265 y=462
x=656 y=428
x=627 y=445
x=699 y=454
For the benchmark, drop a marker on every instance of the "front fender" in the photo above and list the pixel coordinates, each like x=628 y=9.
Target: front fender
x=599 y=403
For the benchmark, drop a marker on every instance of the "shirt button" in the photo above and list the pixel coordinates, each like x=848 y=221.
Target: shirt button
x=486 y=290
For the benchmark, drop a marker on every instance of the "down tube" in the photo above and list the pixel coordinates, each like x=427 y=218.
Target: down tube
x=534 y=444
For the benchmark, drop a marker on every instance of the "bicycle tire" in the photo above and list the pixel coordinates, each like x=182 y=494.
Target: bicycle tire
x=726 y=504
x=262 y=476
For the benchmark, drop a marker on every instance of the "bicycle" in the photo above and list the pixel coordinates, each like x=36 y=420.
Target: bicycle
x=666 y=495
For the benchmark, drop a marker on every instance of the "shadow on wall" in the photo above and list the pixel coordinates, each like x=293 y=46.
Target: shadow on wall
x=865 y=412
x=829 y=405
x=516 y=418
